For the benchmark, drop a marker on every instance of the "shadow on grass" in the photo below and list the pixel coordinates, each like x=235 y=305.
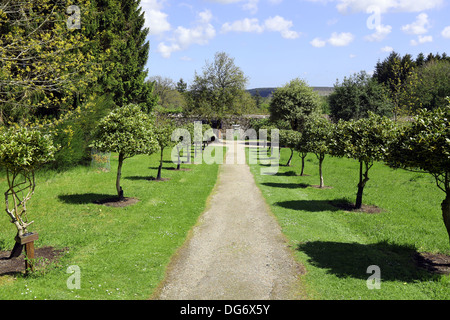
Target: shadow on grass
x=286 y=185
x=84 y=198
x=396 y=262
x=309 y=205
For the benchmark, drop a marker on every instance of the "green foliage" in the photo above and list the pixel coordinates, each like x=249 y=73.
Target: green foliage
x=24 y=150
x=220 y=90
x=366 y=140
x=127 y=131
x=425 y=145
x=317 y=135
x=358 y=95
x=116 y=29
x=289 y=138
x=42 y=63
x=433 y=87
x=294 y=103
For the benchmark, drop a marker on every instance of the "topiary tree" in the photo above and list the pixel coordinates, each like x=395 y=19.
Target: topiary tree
x=317 y=136
x=294 y=103
x=22 y=152
x=163 y=135
x=365 y=140
x=289 y=139
x=425 y=145
x=127 y=131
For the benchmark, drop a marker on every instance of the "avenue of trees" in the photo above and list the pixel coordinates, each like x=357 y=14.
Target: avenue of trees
x=370 y=133
x=72 y=80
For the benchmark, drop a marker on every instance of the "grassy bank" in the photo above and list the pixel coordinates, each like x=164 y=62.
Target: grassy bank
x=122 y=253
x=338 y=246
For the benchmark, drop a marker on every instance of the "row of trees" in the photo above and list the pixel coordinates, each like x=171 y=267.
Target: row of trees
x=422 y=144
x=399 y=87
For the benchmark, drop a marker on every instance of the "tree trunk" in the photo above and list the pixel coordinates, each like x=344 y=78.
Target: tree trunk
x=158 y=177
x=363 y=178
x=303 y=163
x=179 y=158
x=288 y=164
x=321 y=157
x=446 y=212
x=119 y=175
x=16 y=251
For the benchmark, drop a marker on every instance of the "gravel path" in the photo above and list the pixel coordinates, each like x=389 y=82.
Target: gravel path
x=236 y=251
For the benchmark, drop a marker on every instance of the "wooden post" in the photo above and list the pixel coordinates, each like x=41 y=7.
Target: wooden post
x=28 y=240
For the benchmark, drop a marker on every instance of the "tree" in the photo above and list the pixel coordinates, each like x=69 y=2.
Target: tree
x=289 y=139
x=163 y=135
x=127 y=131
x=434 y=85
x=216 y=92
x=393 y=73
x=317 y=137
x=365 y=140
x=424 y=145
x=358 y=95
x=181 y=86
x=22 y=152
x=43 y=61
x=293 y=103
x=117 y=29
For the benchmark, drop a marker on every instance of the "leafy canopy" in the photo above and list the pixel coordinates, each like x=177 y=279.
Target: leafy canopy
x=126 y=130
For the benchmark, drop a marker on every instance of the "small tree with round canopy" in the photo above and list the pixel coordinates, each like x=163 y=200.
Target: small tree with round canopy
x=22 y=152
x=425 y=146
x=365 y=140
x=127 y=131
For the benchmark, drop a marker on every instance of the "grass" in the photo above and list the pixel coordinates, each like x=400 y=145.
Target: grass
x=122 y=253
x=337 y=246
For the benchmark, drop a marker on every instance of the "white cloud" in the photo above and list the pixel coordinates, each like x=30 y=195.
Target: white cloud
x=446 y=32
x=420 y=26
x=245 y=25
x=384 y=6
x=387 y=49
x=341 y=39
x=380 y=33
x=155 y=19
x=183 y=37
x=421 y=40
x=281 y=25
x=275 y=24
x=318 y=43
x=352 y=56
x=337 y=40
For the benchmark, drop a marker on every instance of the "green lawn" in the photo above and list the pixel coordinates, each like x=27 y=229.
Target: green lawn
x=122 y=252
x=337 y=247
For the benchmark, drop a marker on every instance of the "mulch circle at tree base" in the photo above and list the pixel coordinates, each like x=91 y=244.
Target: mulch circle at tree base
x=43 y=256
x=116 y=202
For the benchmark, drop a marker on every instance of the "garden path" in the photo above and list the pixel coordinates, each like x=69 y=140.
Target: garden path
x=236 y=251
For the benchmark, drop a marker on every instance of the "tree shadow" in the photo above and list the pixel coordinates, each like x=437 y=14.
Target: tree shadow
x=84 y=198
x=396 y=262
x=139 y=178
x=286 y=185
x=287 y=174
x=308 y=205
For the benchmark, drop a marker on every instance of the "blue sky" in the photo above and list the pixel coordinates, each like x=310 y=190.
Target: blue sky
x=275 y=41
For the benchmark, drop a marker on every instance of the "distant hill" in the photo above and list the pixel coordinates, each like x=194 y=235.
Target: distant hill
x=267 y=92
